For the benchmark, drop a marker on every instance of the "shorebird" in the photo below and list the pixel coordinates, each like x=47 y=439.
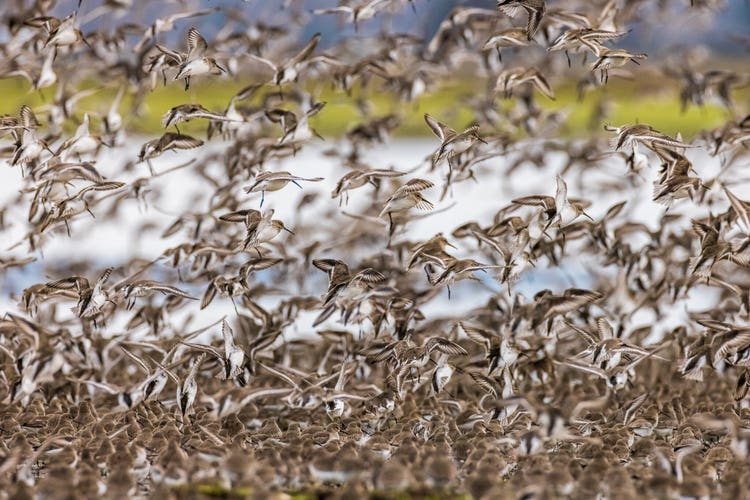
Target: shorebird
x=63 y=32
x=83 y=142
x=629 y=135
x=164 y=24
x=187 y=389
x=361 y=12
x=66 y=209
x=512 y=78
x=611 y=58
x=511 y=37
x=590 y=38
x=358 y=178
x=29 y=147
x=261 y=226
x=170 y=141
x=452 y=143
x=90 y=298
x=405 y=198
x=741 y=210
x=341 y=279
x=637 y=332
x=501 y=352
x=236 y=118
x=112 y=121
x=232 y=360
x=46 y=76
x=535 y=10
x=142 y=288
x=291 y=69
x=274 y=181
x=432 y=250
x=187 y=112
x=194 y=62
x=455 y=270
x=567 y=211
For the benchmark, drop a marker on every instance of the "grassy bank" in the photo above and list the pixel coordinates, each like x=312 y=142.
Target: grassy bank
x=623 y=102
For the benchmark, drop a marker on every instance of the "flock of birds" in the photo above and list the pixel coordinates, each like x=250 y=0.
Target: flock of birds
x=110 y=388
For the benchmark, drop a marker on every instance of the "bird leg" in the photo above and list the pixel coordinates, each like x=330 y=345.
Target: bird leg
x=235 y=305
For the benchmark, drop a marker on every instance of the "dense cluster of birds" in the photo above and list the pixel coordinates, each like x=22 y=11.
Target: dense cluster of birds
x=634 y=384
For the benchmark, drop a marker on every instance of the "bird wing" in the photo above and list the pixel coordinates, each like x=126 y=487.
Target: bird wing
x=306 y=50
x=197 y=45
x=439 y=129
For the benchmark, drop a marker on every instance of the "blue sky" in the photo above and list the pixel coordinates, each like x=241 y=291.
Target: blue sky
x=685 y=30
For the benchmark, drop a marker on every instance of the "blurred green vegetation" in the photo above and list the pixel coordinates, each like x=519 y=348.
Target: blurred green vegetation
x=619 y=102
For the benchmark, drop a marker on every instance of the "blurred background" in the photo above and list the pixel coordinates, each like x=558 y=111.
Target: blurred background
x=718 y=24
x=681 y=41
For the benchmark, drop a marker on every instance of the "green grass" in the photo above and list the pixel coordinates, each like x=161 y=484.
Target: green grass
x=629 y=102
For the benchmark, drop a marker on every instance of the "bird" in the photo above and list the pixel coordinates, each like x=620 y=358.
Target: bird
x=261 y=226
x=357 y=178
x=291 y=69
x=187 y=389
x=233 y=358
x=596 y=335
x=340 y=278
x=141 y=288
x=404 y=198
x=535 y=10
x=455 y=270
x=511 y=37
x=187 y=112
x=452 y=143
x=169 y=141
x=274 y=181
x=611 y=58
x=512 y=78
x=194 y=62
x=90 y=298
x=358 y=13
